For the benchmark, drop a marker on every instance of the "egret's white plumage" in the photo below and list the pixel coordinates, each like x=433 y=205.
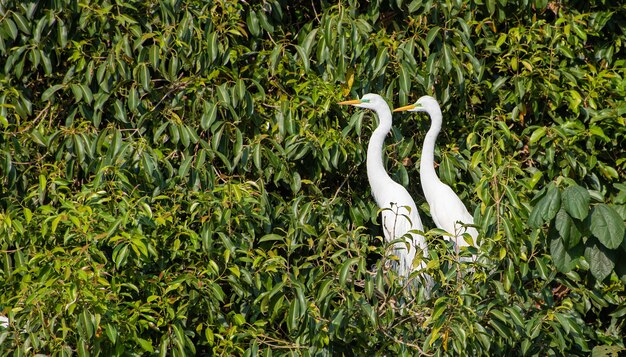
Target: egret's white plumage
x=399 y=213
x=446 y=208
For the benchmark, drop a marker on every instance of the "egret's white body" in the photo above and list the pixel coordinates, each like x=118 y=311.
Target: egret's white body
x=446 y=208
x=399 y=213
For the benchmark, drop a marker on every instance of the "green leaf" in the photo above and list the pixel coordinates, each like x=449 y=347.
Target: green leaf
x=405 y=79
x=184 y=166
x=120 y=254
x=266 y=25
x=381 y=60
x=78 y=92
x=564 y=259
x=553 y=199
x=50 y=91
x=271 y=237
x=574 y=99
x=501 y=40
x=209 y=115
x=42 y=188
x=21 y=22
x=563 y=320
x=293 y=315
x=535 y=219
x=432 y=33
x=303 y=56
x=144 y=76
x=447 y=58
x=120 y=113
x=62 y=32
x=256 y=156
x=86 y=93
x=239 y=319
x=307 y=44
x=607 y=226
x=546 y=208
x=212 y=46
x=345 y=269
x=274 y=58
x=10 y=26
x=41 y=24
x=607 y=351
x=597 y=131
x=154 y=56
x=28 y=214
x=111 y=332
x=499 y=82
x=253 y=23
x=82 y=348
x=515 y=316
x=537 y=135
x=542 y=267
x=501 y=328
x=47 y=64
x=184 y=135
x=491 y=6
x=576 y=201
x=567 y=229
x=145 y=344
x=565 y=50
x=133 y=99
x=601 y=260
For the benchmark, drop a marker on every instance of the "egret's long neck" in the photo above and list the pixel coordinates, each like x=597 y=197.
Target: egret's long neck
x=376 y=173
x=428 y=176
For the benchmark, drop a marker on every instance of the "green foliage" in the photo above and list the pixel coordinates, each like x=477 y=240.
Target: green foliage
x=176 y=179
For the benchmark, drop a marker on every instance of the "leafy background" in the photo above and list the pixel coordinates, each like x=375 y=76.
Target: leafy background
x=177 y=178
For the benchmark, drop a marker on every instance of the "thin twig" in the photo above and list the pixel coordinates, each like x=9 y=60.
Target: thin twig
x=408 y=344
x=343 y=183
x=276 y=343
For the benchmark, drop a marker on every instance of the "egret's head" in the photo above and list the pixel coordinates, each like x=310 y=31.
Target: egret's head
x=424 y=104
x=369 y=101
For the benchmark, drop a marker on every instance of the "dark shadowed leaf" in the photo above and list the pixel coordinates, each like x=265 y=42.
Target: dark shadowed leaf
x=601 y=260
x=553 y=198
x=607 y=226
x=563 y=258
x=345 y=269
x=576 y=201
x=567 y=228
x=547 y=207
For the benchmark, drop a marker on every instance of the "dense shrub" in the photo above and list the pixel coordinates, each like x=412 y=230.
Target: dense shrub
x=177 y=179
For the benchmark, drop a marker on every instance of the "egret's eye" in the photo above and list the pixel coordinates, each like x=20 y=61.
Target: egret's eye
x=365 y=100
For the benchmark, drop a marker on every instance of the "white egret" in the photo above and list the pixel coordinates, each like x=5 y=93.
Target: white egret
x=446 y=208
x=399 y=213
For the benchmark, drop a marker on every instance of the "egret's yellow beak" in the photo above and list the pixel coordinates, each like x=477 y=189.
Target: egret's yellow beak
x=354 y=101
x=406 y=107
